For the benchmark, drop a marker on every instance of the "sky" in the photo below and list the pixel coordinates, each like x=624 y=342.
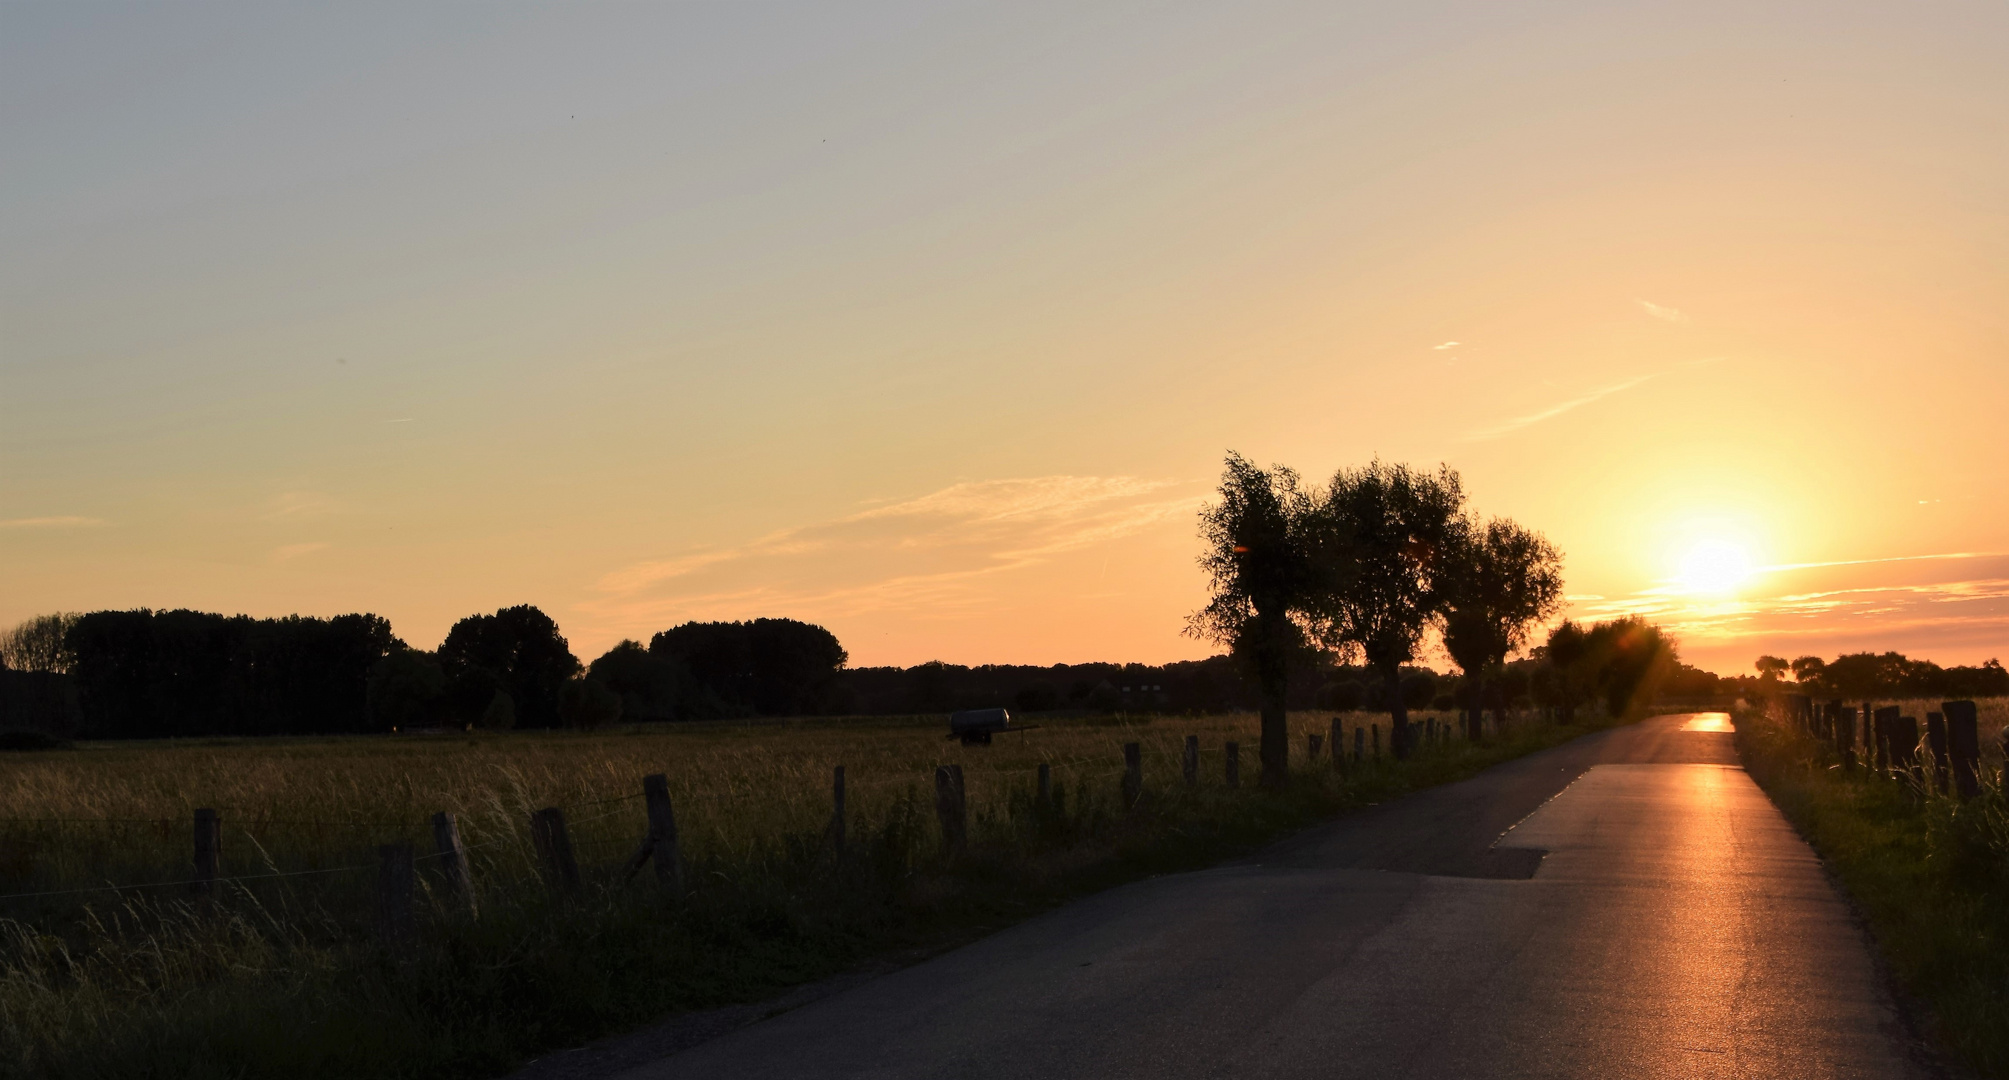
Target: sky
x=932 y=322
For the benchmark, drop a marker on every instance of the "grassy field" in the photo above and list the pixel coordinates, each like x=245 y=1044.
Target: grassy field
x=282 y=976
x=1929 y=873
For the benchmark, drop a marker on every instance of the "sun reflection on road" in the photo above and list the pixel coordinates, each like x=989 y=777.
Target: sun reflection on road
x=1708 y=721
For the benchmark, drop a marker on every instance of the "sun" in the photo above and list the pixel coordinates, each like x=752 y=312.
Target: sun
x=1714 y=567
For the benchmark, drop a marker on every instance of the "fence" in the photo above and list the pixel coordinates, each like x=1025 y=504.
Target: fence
x=387 y=879
x=1941 y=756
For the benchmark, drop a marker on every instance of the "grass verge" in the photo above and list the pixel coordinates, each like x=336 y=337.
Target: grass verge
x=1929 y=873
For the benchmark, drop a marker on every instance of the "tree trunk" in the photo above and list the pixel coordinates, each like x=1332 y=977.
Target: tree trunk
x=1475 y=697
x=1398 y=712
x=1275 y=683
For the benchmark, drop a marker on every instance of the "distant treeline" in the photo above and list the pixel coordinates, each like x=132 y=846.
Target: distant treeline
x=157 y=674
x=1882 y=675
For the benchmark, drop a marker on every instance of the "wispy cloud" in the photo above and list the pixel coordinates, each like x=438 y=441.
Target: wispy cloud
x=1446 y=345
x=1892 y=559
x=1950 y=607
x=1665 y=314
x=64 y=521
x=1517 y=423
x=925 y=553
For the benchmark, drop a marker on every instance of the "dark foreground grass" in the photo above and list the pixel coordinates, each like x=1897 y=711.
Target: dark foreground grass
x=1929 y=873
x=263 y=985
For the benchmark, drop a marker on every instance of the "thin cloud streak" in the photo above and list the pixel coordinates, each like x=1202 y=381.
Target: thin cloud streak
x=923 y=555
x=1665 y=314
x=1519 y=422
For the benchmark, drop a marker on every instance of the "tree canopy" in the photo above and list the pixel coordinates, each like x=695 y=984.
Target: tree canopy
x=519 y=651
x=1257 y=557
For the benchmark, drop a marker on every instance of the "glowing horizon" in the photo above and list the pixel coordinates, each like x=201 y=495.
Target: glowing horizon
x=932 y=326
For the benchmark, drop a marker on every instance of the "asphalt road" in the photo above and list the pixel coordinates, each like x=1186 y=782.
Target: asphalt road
x=1647 y=913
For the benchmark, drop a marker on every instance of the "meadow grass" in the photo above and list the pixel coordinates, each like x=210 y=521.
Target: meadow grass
x=280 y=974
x=1929 y=873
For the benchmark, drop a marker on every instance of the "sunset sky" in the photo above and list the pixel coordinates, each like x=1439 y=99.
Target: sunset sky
x=932 y=322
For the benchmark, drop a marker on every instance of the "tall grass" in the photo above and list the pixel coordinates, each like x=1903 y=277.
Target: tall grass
x=1929 y=872
x=280 y=973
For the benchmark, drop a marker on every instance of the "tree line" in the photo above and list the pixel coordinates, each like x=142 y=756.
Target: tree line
x=165 y=674
x=1880 y=675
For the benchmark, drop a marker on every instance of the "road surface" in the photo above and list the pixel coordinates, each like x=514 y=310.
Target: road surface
x=1647 y=913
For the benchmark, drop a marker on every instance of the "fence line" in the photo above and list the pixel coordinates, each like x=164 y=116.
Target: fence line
x=1114 y=766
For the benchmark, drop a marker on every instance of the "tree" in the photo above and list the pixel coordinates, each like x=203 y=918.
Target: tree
x=37 y=644
x=1377 y=539
x=650 y=687
x=1807 y=671
x=1498 y=582
x=1257 y=567
x=517 y=650
x=1770 y=668
x=1568 y=653
x=1632 y=658
x=405 y=690
x=149 y=674
x=771 y=667
x=585 y=703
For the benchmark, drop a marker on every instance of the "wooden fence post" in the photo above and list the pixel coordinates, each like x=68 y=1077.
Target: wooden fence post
x=837 y=809
x=664 y=845
x=1374 y=733
x=1935 y=740
x=1904 y=746
x=1312 y=742
x=453 y=858
x=1336 y=739
x=1886 y=739
x=1133 y=773
x=1191 y=762
x=1845 y=734
x=554 y=848
x=1234 y=768
x=208 y=850
x=1964 y=742
x=394 y=897
x=1045 y=794
x=1430 y=731
x=951 y=808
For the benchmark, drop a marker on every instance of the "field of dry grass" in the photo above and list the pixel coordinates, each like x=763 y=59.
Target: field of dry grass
x=282 y=974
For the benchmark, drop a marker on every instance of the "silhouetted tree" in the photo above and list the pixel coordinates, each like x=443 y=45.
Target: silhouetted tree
x=406 y=690
x=773 y=667
x=519 y=651
x=1498 y=582
x=1257 y=566
x=37 y=644
x=1807 y=670
x=650 y=686
x=585 y=703
x=1633 y=657
x=1377 y=537
x=1568 y=653
x=147 y=674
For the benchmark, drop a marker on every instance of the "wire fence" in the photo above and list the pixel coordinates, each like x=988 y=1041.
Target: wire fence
x=509 y=841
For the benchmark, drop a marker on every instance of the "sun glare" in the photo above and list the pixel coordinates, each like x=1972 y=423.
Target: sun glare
x=1714 y=567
